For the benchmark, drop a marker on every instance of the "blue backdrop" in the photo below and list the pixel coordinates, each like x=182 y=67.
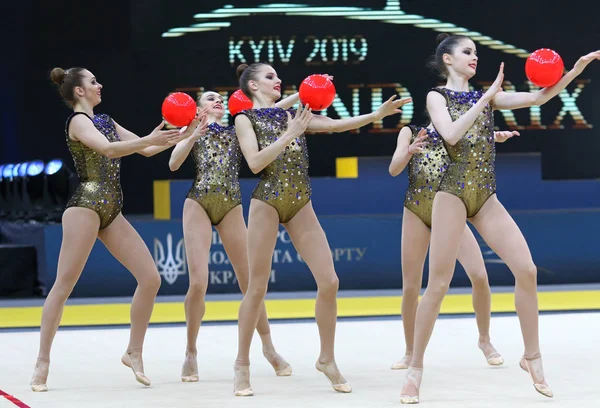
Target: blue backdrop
x=362 y=219
x=366 y=251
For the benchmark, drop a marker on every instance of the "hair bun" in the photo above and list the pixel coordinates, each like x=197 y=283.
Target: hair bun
x=57 y=75
x=240 y=69
x=441 y=37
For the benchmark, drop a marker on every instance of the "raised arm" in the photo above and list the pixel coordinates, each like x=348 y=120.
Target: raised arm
x=452 y=131
x=183 y=148
x=405 y=149
x=181 y=152
x=83 y=130
x=516 y=100
x=324 y=124
x=259 y=159
x=288 y=102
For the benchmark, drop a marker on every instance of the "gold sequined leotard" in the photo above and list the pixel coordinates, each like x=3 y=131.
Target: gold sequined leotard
x=99 y=176
x=284 y=184
x=470 y=175
x=218 y=157
x=425 y=171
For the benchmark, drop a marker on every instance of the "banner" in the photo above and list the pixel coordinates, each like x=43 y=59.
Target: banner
x=365 y=249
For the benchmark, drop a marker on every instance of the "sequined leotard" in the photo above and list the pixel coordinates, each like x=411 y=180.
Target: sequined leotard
x=99 y=176
x=425 y=171
x=470 y=175
x=284 y=184
x=218 y=157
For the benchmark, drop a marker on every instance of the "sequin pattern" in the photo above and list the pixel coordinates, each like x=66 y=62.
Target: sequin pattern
x=284 y=183
x=99 y=176
x=470 y=175
x=218 y=158
x=425 y=171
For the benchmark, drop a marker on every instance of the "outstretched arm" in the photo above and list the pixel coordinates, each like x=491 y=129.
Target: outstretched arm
x=321 y=123
x=503 y=135
x=516 y=100
x=151 y=150
x=83 y=130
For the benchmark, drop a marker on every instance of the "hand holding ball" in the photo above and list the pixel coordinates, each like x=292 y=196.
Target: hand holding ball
x=179 y=109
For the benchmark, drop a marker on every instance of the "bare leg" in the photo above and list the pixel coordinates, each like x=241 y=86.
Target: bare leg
x=80 y=230
x=502 y=234
x=126 y=245
x=263 y=226
x=471 y=259
x=232 y=231
x=415 y=242
x=197 y=235
x=310 y=242
x=448 y=224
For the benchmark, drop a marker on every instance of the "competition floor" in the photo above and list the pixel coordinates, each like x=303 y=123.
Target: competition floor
x=86 y=369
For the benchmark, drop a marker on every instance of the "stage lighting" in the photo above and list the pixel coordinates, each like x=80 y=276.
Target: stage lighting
x=2 y=200
x=35 y=168
x=53 y=167
x=7 y=179
x=7 y=171
x=33 y=191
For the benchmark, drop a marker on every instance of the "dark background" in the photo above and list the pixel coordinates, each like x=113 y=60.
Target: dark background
x=120 y=42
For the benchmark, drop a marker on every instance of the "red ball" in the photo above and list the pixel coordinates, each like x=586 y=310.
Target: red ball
x=238 y=101
x=179 y=109
x=317 y=91
x=544 y=67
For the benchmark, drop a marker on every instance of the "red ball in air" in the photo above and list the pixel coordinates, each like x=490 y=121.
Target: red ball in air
x=544 y=67
x=238 y=101
x=317 y=91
